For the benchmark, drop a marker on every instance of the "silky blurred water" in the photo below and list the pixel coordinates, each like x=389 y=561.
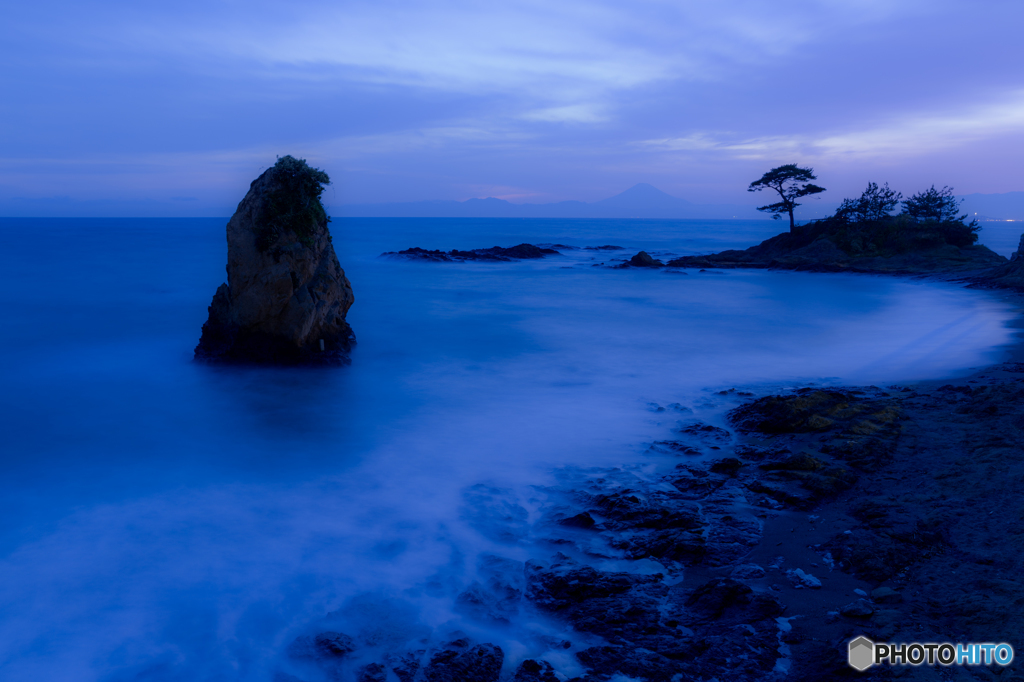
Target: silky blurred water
x=162 y=520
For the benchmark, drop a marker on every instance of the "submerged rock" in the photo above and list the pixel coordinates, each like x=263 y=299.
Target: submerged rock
x=286 y=296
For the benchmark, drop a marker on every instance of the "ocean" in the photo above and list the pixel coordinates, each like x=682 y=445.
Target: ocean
x=162 y=520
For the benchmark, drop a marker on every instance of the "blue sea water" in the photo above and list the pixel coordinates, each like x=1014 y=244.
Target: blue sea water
x=163 y=520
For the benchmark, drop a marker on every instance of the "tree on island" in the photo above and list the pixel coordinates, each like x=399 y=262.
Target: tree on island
x=935 y=205
x=876 y=203
x=792 y=183
x=866 y=225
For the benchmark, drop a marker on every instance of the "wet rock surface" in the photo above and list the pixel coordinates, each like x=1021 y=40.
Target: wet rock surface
x=481 y=663
x=286 y=297
x=495 y=253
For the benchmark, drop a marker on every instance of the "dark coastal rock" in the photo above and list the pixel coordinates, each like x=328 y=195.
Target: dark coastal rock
x=581 y=520
x=656 y=524
x=644 y=260
x=653 y=510
x=535 y=671
x=481 y=663
x=727 y=465
x=606 y=661
x=324 y=648
x=674 y=447
x=286 y=297
x=800 y=413
x=695 y=483
x=863 y=430
x=1010 y=275
x=706 y=433
x=565 y=584
x=725 y=599
x=684 y=518
x=374 y=672
x=406 y=665
x=495 y=253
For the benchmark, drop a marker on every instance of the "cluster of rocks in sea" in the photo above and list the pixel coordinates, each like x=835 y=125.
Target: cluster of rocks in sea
x=763 y=545
x=495 y=253
x=786 y=252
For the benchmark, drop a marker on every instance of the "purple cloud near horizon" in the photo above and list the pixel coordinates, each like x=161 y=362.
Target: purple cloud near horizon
x=125 y=109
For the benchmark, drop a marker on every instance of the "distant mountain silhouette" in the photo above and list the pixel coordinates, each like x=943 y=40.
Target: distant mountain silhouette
x=644 y=201
x=639 y=201
x=645 y=197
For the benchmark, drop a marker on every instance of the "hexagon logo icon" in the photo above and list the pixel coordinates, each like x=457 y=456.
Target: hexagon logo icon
x=861 y=654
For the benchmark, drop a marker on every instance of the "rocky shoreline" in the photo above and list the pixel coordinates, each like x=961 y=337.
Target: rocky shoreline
x=756 y=547
x=808 y=519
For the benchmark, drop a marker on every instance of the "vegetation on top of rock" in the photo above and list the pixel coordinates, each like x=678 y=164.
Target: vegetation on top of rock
x=294 y=204
x=866 y=226
x=876 y=203
x=937 y=205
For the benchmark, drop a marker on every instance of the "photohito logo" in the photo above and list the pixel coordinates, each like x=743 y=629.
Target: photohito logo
x=863 y=653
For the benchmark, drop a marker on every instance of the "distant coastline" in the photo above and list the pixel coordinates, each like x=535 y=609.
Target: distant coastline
x=646 y=202
x=639 y=201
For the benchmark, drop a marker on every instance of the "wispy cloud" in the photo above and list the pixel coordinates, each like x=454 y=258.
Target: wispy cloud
x=563 y=52
x=904 y=136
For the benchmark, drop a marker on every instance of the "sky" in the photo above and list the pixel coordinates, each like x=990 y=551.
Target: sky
x=143 y=108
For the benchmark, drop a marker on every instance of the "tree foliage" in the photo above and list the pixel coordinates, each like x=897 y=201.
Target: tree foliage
x=294 y=204
x=866 y=226
x=876 y=203
x=938 y=205
x=791 y=183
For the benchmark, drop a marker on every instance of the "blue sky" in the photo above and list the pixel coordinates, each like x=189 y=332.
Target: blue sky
x=137 y=108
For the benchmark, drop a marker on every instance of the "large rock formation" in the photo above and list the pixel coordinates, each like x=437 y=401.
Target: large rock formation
x=286 y=296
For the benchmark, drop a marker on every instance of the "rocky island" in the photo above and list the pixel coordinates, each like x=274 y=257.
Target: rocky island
x=286 y=296
x=927 y=237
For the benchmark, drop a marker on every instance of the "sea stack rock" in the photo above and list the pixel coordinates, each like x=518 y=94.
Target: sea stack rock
x=286 y=296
